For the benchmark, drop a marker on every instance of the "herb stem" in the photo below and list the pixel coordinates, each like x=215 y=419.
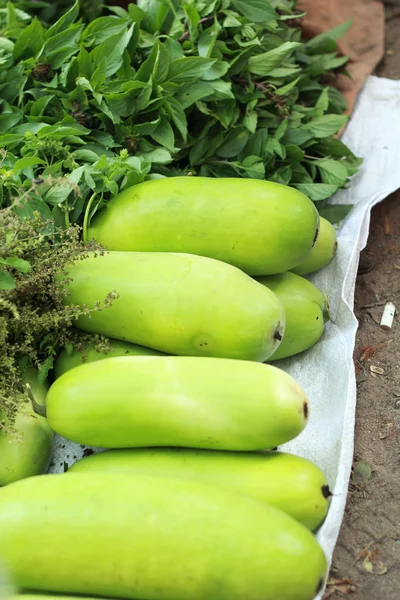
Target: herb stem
x=86 y=217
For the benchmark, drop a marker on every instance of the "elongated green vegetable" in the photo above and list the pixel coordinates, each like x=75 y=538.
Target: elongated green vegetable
x=153 y=538
x=306 y=312
x=210 y=403
x=293 y=484
x=259 y=226
x=178 y=304
x=26 y=448
x=323 y=252
x=69 y=360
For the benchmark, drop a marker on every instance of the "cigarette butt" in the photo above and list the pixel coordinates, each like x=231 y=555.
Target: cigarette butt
x=388 y=315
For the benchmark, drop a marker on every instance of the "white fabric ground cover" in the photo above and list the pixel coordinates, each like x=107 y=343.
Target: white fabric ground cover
x=326 y=371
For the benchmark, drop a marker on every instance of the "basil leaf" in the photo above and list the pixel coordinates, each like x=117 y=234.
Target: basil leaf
x=187 y=69
x=6 y=281
x=259 y=11
x=30 y=41
x=327 y=125
x=336 y=212
x=263 y=64
x=317 y=191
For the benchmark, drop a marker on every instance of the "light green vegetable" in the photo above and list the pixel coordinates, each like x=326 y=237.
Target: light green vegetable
x=259 y=226
x=306 y=312
x=26 y=448
x=178 y=304
x=293 y=484
x=138 y=401
x=69 y=360
x=155 y=538
x=323 y=252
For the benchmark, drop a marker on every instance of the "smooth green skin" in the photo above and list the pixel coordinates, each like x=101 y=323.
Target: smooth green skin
x=306 y=312
x=259 y=226
x=155 y=538
x=293 y=484
x=323 y=252
x=139 y=401
x=27 y=450
x=178 y=304
x=67 y=361
x=50 y=597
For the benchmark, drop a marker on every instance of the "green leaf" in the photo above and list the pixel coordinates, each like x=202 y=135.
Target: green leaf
x=327 y=125
x=112 y=51
x=61 y=41
x=323 y=101
x=27 y=208
x=162 y=63
x=178 y=116
x=326 y=42
x=39 y=106
x=147 y=67
x=263 y=64
x=258 y=11
x=136 y=14
x=164 y=135
x=207 y=40
x=297 y=136
x=10 y=138
x=158 y=156
x=192 y=93
x=280 y=132
x=253 y=167
x=336 y=212
x=275 y=147
x=294 y=152
x=9 y=120
x=282 y=91
x=216 y=71
x=156 y=14
x=317 y=191
x=332 y=171
x=102 y=28
x=26 y=162
x=124 y=104
x=234 y=143
x=58 y=193
x=220 y=90
x=6 y=281
x=186 y=69
x=30 y=41
x=333 y=147
x=64 y=22
x=16 y=263
x=250 y=121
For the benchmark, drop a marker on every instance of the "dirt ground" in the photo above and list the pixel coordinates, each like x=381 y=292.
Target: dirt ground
x=366 y=563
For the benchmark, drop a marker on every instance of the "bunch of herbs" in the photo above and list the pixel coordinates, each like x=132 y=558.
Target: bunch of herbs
x=164 y=88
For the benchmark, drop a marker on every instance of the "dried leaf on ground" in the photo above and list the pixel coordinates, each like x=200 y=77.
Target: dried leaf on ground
x=371 y=564
x=340 y=586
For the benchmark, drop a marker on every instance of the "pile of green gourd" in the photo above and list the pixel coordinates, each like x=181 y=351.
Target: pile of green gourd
x=189 y=501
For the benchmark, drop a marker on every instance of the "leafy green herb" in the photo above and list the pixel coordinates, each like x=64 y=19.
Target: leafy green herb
x=34 y=323
x=226 y=88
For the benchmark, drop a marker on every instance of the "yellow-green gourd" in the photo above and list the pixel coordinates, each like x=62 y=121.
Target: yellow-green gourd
x=306 y=310
x=291 y=483
x=259 y=226
x=210 y=403
x=153 y=538
x=69 y=359
x=178 y=304
x=323 y=251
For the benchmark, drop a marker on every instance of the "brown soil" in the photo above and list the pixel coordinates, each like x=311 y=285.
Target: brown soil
x=366 y=562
